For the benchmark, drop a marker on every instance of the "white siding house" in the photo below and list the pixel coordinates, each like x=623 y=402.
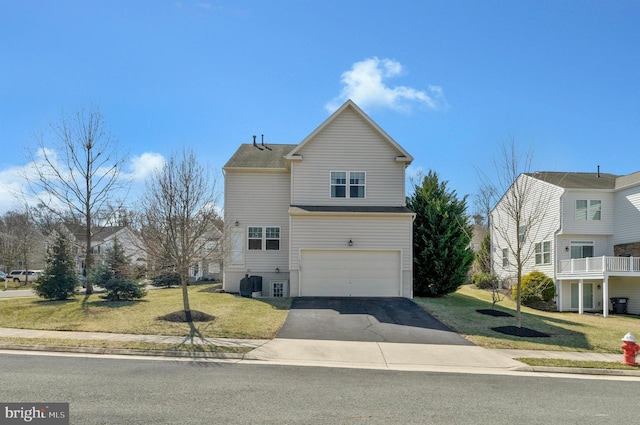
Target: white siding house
x=325 y=217
x=588 y=239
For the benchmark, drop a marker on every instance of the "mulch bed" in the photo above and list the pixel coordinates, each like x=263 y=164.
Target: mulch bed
x=520 y=332
x=180 y=317
x=494 y=313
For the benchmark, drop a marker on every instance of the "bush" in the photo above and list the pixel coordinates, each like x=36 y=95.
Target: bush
x=535 y=287
x=484 y=280
x=166 y=279
x=123 y=290
x=59 y=280
x=116 y=276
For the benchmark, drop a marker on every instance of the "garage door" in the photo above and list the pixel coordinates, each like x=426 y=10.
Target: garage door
x=349 y=273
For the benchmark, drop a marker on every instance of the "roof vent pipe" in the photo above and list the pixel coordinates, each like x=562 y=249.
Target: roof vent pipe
x=598 y=171
x=263 y=140
x=254 y=140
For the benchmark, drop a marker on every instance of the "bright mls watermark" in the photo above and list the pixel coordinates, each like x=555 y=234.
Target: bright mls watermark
x=34 y=413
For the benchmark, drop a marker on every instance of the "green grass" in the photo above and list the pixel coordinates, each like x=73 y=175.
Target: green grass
x=576 y=363
x=128 y=345
x=235 y=317
x=568 y=331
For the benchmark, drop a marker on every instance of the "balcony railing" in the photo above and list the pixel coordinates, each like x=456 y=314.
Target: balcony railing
x=599 y=265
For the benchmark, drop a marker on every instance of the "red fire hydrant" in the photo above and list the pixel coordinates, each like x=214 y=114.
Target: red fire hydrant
x=630 y=349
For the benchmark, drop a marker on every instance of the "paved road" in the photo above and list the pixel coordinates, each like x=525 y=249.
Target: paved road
x=116 y=391
x=365 y=319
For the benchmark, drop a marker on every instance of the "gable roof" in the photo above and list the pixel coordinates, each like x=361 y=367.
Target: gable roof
x=258 y=156
x=577 y=180
x=402 y=154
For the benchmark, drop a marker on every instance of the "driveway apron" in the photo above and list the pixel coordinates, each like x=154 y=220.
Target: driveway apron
x=397 y=320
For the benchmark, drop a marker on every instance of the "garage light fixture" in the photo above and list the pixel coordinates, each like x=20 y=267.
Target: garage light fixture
x=350 y=243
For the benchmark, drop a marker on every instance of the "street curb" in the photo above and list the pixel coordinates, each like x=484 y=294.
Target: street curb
x=124 y=351
x=585 y=371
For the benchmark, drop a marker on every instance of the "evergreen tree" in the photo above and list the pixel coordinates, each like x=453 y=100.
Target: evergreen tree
x=116 y=275
x=483 y=256
x=441 y=237
x=59 y=280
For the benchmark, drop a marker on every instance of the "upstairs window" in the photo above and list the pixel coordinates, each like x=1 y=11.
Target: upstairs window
x=588 y=209
x=543 y=253
x=272 y=238
x=255 y=238
x=356 y=184
x=338 y=184
x=505 y=258
x=354 y=187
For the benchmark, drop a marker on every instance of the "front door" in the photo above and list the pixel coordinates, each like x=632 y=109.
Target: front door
x=587 y=296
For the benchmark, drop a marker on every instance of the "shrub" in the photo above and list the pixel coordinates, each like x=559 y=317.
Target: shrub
x=166 y=279
x=484 y=280
x=116 y=276
x=535 y=287
x=122 y=290
x=59 y=280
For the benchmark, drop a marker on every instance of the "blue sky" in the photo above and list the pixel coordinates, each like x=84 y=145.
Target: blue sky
x=451 y=81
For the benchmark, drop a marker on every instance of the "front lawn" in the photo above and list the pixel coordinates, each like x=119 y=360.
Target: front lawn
x=567 y=331
x=235 y=317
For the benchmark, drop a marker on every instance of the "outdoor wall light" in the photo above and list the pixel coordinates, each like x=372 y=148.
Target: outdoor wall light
x=566 y=248
x=237 y=224
x=277 y=270
x=350 y=243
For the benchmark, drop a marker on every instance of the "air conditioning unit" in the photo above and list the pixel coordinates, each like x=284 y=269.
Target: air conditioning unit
x=279 y=288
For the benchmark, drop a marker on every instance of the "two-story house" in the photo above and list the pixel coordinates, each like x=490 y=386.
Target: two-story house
x=588 y=238
x=325 y=217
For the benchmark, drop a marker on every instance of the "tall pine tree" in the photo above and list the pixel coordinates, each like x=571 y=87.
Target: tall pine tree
x=441 y=236
x=59 y=280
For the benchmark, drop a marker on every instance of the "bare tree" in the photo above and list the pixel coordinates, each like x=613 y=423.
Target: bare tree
x=78 y=171
x=21 y=243
x=179 y=216
x=520 y=217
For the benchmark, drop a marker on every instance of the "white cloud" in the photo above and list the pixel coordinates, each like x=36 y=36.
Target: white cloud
x=365 y=84
x=144 y=165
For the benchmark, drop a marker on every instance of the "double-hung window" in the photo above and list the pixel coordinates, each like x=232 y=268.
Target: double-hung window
x=588 y=209
x=353 y=187
x=255 y=238
x=505 y=258
x=264 y=238
x=272 y=238
x=543 y=253
x=338 y=184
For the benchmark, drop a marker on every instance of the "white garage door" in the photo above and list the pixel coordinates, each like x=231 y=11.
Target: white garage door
x=350 y=273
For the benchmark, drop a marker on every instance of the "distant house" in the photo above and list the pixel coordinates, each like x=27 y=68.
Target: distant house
x=324 y=217
x=103 y=238
x=591 y=247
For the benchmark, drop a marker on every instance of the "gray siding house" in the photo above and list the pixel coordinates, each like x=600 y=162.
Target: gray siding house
x=324 y=217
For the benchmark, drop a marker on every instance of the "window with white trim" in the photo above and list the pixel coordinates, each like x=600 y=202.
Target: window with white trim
x=505 y=257
x=588 y=209
x=254 y=236
x=582 y=249
x=354 y=187
x=338 y=184
x=263 y=238
x=272 y=238
x=543 y=253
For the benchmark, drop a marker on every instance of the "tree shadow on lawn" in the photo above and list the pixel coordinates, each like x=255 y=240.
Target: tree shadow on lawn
x=484 y=325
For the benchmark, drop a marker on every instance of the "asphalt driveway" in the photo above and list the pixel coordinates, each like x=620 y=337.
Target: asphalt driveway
x=365 y=319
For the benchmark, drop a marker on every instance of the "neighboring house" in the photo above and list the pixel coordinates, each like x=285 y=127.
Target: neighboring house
x=103 y=239
x=325 y=217
x=588 y=242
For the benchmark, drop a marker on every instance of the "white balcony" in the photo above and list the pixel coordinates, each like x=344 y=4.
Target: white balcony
x=612 y=266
